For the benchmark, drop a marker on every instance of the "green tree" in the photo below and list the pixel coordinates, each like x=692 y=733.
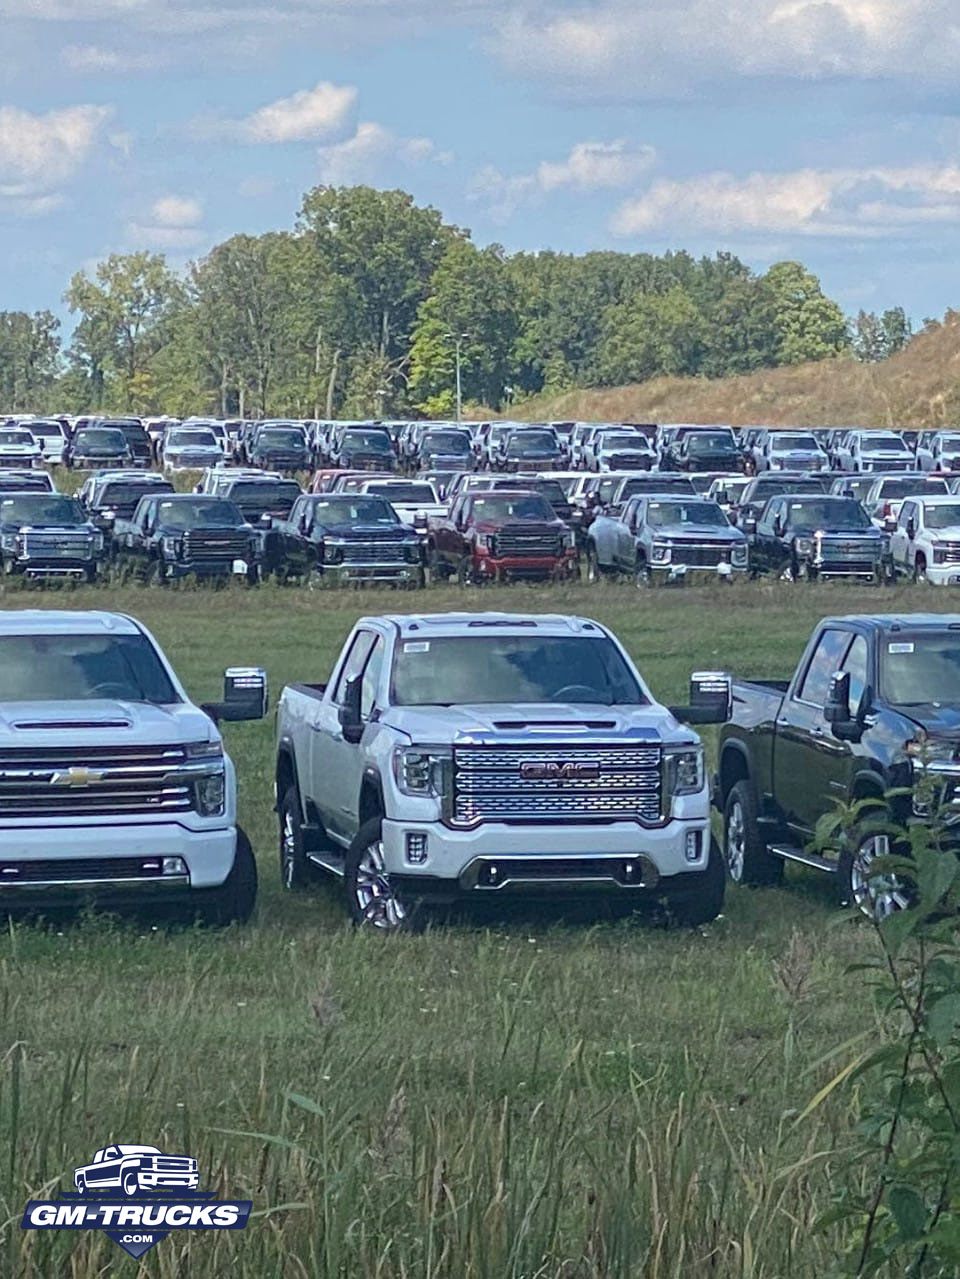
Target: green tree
x=877 y=337
x=808 y=325
x=29 y=358
x=651 y=335
x=124 y=313
x=472 y=297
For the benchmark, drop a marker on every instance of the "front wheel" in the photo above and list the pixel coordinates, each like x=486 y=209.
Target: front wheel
x=595 y=570
x=130 y=1184
x=703 y=900
x=748 y=860
x=920 y=569
x=371 y=897
x=874 y=893
x=296 y=869
x=233 y=901
x=642 y=573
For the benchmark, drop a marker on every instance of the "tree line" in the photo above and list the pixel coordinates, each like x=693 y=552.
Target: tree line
x=363 y=308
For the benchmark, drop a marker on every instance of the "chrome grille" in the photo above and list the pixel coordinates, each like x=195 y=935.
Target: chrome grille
x=373 y=552
x=89 y=780
x=699 y=555
x=630 y=462
x=68 y=546
x=488 y=784
x=515 y=543
x=224 y=545
x=853 y=550
x=948 y=553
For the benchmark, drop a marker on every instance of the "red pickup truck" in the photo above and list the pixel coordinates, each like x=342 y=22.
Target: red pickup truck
x=496 y=536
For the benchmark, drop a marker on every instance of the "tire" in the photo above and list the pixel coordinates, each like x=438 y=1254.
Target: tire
x=595 y=570
x=370 y=898
x=130 y=1184
x=81 y=1184
x=920 y=569
x=465 y=575
x=92 y=574
x=233 y=901
x=297 y=872
x=155 y=574
x=439 y=570
x=866 y=841
x=746 y=857
x=703 y=905
x=642 y=573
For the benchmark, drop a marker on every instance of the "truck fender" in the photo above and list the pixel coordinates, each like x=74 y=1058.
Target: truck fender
x=735 y=766
x=371 y=802
x=868 y=781
x=286 y=773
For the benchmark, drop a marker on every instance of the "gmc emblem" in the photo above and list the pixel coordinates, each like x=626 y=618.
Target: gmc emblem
x=559 y=772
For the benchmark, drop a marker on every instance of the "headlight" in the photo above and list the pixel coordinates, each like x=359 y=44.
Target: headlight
x=332 y=554
x=9 y=541
x=412 y=552
x=171 y=545
x=209 y=794
x=738 y=555
x=659 y=553
x=204 y=750
x=420 y=772
x=568 y=540
x=97 y=543
x=108 y=514
x=804 y=545
x=683 y=770
x=939 y=555
x=484 y=541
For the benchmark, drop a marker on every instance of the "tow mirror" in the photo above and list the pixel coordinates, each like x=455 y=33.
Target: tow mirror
x=349 y=713
x=710 y=699
x=244 y=695
x=836 y=711
x=778 y=526
x=911 y=529
x=750 y=525
x=890 y=526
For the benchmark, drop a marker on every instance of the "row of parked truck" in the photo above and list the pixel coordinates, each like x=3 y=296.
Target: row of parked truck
x=470 y=757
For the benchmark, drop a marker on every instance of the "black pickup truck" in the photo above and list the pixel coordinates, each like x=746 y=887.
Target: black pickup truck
x=873 y=706
x=175 y=535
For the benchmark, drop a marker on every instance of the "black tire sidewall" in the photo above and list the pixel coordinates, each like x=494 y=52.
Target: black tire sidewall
x=301 y=866
x=759 y=866
x=706 y=903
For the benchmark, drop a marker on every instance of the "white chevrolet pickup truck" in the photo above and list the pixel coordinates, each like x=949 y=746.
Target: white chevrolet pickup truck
x=460 y=756
x=113 y=785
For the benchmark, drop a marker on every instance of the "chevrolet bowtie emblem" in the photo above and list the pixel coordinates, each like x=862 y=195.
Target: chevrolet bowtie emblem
x=77 y=777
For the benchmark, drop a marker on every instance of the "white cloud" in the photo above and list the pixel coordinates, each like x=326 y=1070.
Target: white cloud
x=621 y=48
x=94 y=60
x=176 y=211
x=40 y=153
x=373 y=148
x=306 y=116
x=172 y=222
x=589 y=166
x=865 y=202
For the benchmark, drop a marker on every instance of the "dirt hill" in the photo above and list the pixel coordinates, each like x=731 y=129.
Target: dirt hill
x=919 y=387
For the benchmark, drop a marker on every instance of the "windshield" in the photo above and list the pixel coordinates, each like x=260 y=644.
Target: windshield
x=16 y=437
x=210 y=512
x=623 y=441
x=191 y=439
x=658 y=484
x=487 y=669
x=355 y=510
x=408 y=493
x=533 y=442
x=65 y=668
x=275 y=494
x=40 y=508
x=910 y=485
x=784 y=442
x=858 y=485
x=946 y=516
x=49 y=430
x=884 y=444
x=526 y=506
x=701 y=443
x=445 y=442
x=661 y=513
x=95 y=438
x=772 y=485
x=373 y=441
x=831 y=513
x=921 y=669
x=283 y=439
x=129 y=494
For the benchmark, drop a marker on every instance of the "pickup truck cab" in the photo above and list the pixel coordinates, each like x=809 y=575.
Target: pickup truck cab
x=941 y=453
x=445 y=447
x=925 y=544
x=753 y=497
x=112 y=783
x=884 y=497
x=873 y=705
x=529 y=448
x=281 y=448
x=190 y=448
x=47 y=535
x=501 y=535
x=97 y=446
x=332 y=538
x=52 y=438
x=660 y=537
x=808 y=536
x=462 y=757
x=790 y=451
x=415 y=501
x=876 y=451
x=108 y=496
x=708 y=450
x=175 y=535
x=136 y=1170
x=18 y=447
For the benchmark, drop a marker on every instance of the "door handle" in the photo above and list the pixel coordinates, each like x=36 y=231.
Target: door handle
x=816 y=731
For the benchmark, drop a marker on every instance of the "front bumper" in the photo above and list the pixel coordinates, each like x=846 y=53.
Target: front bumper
x=167 y=1180
x=117 y=862
x=943 y=574
x=36 y=567
x=499 y=860
x=536 y=567
x=208 y=568
x=680 y=570
x=337 y=574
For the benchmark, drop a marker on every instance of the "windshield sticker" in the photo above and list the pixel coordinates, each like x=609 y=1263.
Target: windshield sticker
x=417 y=646
x=900 y=648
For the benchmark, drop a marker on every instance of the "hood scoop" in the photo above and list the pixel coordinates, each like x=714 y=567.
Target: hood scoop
x=512 y=724
x=68 y=724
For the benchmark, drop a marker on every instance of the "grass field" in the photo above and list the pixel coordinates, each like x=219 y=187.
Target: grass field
x=516 y=1098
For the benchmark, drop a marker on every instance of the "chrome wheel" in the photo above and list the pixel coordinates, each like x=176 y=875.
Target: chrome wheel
x=876 y=895
x=376 y=903
x=736 y=843
x=288 y=851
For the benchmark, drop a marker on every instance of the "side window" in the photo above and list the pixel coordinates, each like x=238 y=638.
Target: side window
x=768 y=518
x=371 y=679
x=635 y=516
x=359 y=652
x=823 y=666
x=906 y=512
x=855 y=664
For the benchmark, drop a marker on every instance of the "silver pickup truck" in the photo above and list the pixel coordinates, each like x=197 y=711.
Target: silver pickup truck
x=456 y=757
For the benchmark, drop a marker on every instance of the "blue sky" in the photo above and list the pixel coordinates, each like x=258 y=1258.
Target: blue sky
x=827 y=130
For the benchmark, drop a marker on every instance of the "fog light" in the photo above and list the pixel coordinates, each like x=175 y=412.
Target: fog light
x=692 y=846
x=174 y=866
x=416 y=848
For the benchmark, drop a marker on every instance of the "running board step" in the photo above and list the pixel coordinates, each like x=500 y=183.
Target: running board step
x=329 y=862
x=791 y=854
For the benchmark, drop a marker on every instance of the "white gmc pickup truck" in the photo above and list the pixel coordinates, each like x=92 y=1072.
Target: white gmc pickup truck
x=461 y=756
x=112 y=783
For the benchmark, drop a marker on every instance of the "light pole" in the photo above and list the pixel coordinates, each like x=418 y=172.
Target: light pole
x=458 y=339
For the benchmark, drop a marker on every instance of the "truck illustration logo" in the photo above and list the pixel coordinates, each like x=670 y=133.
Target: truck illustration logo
x=136 y=1195
x=556 y=771
x=76 y=776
